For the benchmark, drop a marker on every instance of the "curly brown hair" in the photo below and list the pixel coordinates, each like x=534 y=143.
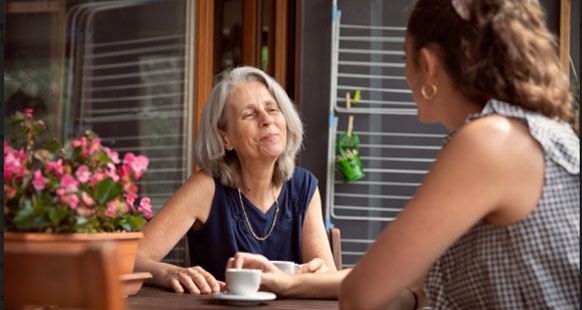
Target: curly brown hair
x=504 y=51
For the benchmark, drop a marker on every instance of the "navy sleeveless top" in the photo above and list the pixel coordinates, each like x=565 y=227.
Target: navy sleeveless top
x=226 y=230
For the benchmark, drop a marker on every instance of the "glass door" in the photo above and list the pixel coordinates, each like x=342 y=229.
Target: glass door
x=122 y=69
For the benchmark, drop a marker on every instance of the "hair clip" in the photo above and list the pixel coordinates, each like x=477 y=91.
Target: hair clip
x=462 y=8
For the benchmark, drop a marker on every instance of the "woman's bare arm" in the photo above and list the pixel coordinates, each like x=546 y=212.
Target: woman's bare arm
x=303 y=285
x=314 y=241
x=190 y=204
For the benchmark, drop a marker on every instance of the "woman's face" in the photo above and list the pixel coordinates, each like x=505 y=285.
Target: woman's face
x=256 y=129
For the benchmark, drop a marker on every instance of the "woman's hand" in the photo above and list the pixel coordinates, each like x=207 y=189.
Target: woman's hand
x=272 y=278
x=195 y=279
x=310 y=283
x=315 y=265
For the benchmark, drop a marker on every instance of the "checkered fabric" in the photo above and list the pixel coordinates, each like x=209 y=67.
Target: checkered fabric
x=534 y=263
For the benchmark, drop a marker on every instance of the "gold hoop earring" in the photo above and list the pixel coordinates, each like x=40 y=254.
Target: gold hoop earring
x=426 y=95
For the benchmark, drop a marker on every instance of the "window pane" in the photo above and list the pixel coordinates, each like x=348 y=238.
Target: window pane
x=118 y=68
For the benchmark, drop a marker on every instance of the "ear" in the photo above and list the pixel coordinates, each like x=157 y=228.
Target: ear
x=225 y=140
x=429 y=63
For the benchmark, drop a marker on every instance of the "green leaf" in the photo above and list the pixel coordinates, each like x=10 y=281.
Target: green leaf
x=37 y=128
x=41 y=204
x=124 y=224
x=57 y=214
x=107 y=190
x=102 y=157
x=76 y=152
x=40 y=221
x=24 y=216
x=44 y=200
x=52 y=145
x=17 y=118
x=137 y=222
x=71 y=153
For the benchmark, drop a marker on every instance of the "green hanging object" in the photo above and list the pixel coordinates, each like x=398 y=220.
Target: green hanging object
x=348 y=159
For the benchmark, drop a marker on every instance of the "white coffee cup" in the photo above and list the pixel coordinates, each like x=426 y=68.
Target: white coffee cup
x=287 y=266
x=243 y=281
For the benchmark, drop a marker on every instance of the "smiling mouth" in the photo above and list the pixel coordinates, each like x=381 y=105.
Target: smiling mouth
x=269 y=137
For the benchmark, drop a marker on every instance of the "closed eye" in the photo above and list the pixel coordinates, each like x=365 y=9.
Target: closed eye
x=271 y=108
x=248 y=115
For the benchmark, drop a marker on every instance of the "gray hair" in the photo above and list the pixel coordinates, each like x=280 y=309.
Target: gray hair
x=210 y=153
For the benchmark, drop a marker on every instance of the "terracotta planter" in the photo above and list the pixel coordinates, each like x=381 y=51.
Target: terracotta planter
x=125 y=243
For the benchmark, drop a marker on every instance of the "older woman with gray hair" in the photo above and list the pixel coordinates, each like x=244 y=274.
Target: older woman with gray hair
x=248 y=195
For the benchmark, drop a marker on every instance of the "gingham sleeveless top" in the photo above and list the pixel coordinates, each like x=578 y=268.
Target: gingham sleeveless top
x=531 y=264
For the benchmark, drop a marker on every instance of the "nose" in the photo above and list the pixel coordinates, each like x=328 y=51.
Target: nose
x=265 y=119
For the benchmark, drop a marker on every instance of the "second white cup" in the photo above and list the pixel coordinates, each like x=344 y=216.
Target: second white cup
x=287 y=266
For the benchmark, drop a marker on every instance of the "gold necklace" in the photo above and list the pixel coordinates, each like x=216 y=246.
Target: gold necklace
x=249 y=223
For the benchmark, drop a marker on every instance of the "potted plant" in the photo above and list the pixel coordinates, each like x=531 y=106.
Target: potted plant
x=67 y=195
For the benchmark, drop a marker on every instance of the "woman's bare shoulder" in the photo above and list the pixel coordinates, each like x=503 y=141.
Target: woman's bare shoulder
x=497 y=137
x=195 y=196
x=201 y=179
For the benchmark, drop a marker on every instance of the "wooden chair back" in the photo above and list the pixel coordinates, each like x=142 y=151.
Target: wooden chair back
x=335 y=242
x=62 y=277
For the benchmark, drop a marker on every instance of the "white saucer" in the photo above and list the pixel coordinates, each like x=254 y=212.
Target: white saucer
x=244 y=300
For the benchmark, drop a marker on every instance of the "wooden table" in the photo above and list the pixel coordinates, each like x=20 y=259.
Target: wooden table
x=155 y=298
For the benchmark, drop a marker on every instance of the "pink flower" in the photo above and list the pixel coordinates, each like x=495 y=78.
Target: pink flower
x=96 y=178
x=145 y=203
x=28 y=112
x=128 y=186
x=8 y=149
x=112 y=172
x=124 y=171
x=55 y=166
x=22 y=155
x=11 y=166
x=72 y=200
x=128 y=158
x=39 y=181
x=14 y=164
x=130 y=199
x=61 y=191
x=145 y=207
x=111 y=208
x=83 y=174
x=114 y=156
x=137 y=164
x=69 y=183
x=83 y=146
x=10 y=192
x=75 y=143
x=140 y=165
x=7 y=175
x=86 y=199
x=95 y=144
